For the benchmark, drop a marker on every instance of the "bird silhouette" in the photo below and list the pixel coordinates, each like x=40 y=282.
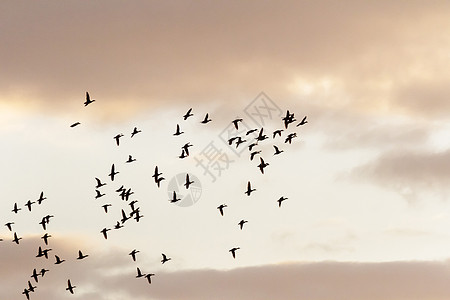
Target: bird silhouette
x=43 y=252
x=186 y=147
x=9 y=225
x=120 y=189
x=26 y=293
x=277 y=150
x=174 y=198
x=206 y=120
x=133 y=254
x=236 y=123
x=178 y=131
x=16 y=209
x=183 y=154
x=303 y=122
x=139 y=273
x=282 y=198
x=288 y=119
x=252 y=155
x=75 y=124
x=104 y=231
x=88 y=100
x=135 y=131
x=261 y=136
x=188 y=114
x=233 y=251
x=59 y=260
x=118 y=225
x=277 y=132
x=45 y=238
x=41 y=198
x=290 y=137
x=164 y=258
x=124 y=217
x=251 y=131
x=99 y=194
x=113 y=172
x=16 y=239
x=241 y=223
x=43 y=222
x=43 y=271
x=188 y=182
x=81 y=256
x=99 y=183
x=220 y=208
x=35 y=275
x=31 y=288
x=249 y=189
x=117 y=138
x=105 y=207
x=132 y=203
x=148 y=276
x=130 y=159
x=70 y=287
x=231 y=140
x=250 y=147
x=239 y=141
x=138 y=216
x=262 y=165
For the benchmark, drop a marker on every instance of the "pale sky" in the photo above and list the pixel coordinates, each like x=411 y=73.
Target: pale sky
x=367 y=213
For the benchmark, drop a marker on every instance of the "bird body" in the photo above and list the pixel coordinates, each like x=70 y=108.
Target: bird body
x=70 y=287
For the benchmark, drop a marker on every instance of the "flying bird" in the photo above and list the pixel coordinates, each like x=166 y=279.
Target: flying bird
x=44 y=222
x=117 y=137
x=252 y=155
x=277 y=132
x=164 y=258
x=70 y=287
x=262 y=165
x=249 y=189
x=251 y=131
x=99 y=194
x=148 y=277
x=174 y=198
x=135 y=131
x=26 y=293
x=139 y=273
x=9 y=225
x=45 y=238
x=59 y=260
x=16 y=239
x=81 y=256
x=130 y=159
x=104 y=231
x=31 y=288
x=43 y=271
x=303 y=122
x=239 y=141
x=118 y=225
x=220 y=208
x=99 y=183
x=288 y=119
x=277 y=150
x=105 y=207
x=16 y=209
x=188 y=182
x=124 y=217
x=88 y=100
x=186 y=147
x=236 y=122
x=231 y=140
x=75 y=124
x=282 y=198
x=131 y=204
x=35 y=275
x=188 y=114
x=41 y=198
x=241 y=223
x=133 y=254
x=290 y=137
x=250 y=147
x=261 y=136
x=233 y=251
x=206 y=119
x=183 y=154
x=113 y=172
x=178 y=131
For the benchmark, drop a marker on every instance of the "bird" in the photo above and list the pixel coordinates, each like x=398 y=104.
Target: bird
x=236 y=122
x=130 y=159
x=41 y=198
x=43 y=222
x=206 y=119
x=99 y=194
x=135 y=131
x=35 y=275
x=303 y=122
x=277 y=132
x=188 y=182
x=139 y=273
x=174 y=198
x=221 y=207
x=47 y=218
x=132 y=203
x=31 y=288
x=16 y=239
x=261 y=136
x=59 y=260
x=277 y=150
x=249 y=189
x=188 y=114
x=251 y=131
x=26 y=293
x=75 y=124
x=178 y=131
x=104 y=231
x=233 y=251
x=43 y=252
x=120 y=189
x=138 y=216
x=88 y=100
x=113 y=172
x=70 y=287
x=133 y=254
x=158 y=181
x=290 y=137
x=250 y=147
x=262 y=165
x=241 y=223
x=43 y=271
x=16 y=209
x=183 y=154
x=124 y=217
x=164 y=258
x=9 y=225
x=282 y=198
x=231 y=140
x=186 y=147
x=81 y=256
x=45 y=238
x=99 y=183
x=118 y=225
x=156 y=175
x=252 y=155
x=288 y=119
x=239 y=141
x=117 y=137
x=105 y=207
x=148 y=277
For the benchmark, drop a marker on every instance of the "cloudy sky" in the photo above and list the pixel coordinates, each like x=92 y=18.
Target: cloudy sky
x=367 y=213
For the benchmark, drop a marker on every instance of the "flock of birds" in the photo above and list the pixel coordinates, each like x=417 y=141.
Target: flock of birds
x=252 y=138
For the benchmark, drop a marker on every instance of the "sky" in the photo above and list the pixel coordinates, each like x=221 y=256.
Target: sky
x=366 y=179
